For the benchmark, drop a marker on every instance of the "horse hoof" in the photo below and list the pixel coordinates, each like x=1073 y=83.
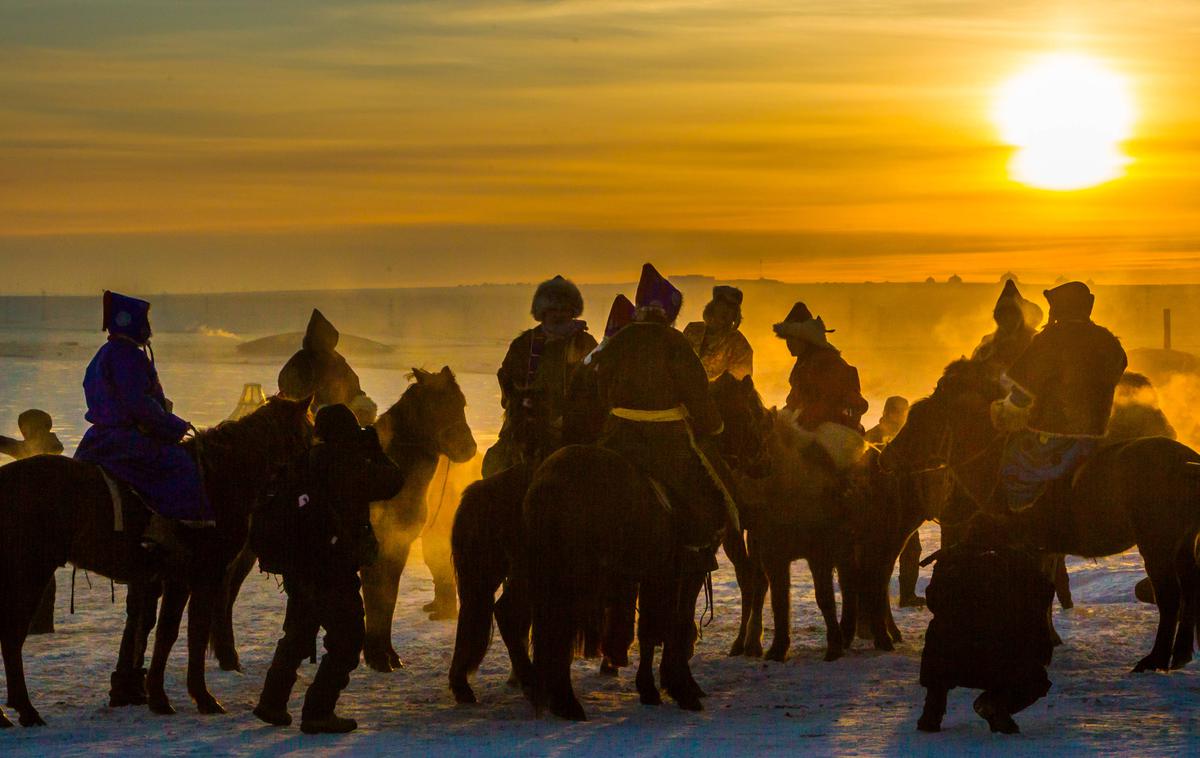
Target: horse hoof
x=161 y=707
x=1180 y=661
x=463 y=694
x=776 y=654
x=1148 y=664
x=650 y=696
x=753 y=651
x=739 y=648
x=210 y=706
x=4 y=722
x=688 y=701
x=227 y=664
x=832 y=654
x=31 y=718
x=379 y=663
x=608 y=669
x=884 y=644
x=394 y=658
x=571 y=710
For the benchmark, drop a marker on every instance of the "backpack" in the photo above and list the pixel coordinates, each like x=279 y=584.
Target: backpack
x=280 y=527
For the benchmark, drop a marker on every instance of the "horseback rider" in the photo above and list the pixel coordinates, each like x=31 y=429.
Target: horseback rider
x=824 y=387
x=36 y=436
x=584 y=411
x=536 y=374
x=134 y=435
x=663 y=419
x=717 y=339
x=1017 y=320
x=319 y=371
x=346 y=471
x=1062 y=396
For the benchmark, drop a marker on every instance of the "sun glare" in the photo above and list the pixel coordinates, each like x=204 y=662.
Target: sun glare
x=1067 y=115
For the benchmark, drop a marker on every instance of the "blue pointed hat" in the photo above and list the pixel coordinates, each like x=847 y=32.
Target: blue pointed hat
x=126 y=316
x=654 y=291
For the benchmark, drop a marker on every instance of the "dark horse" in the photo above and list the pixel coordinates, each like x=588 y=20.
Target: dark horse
x=428 y=420
x=1141 y=492
x=489 y=536
x=54 y=510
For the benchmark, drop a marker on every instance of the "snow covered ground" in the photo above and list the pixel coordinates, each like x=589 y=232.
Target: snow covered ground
x=867 y=703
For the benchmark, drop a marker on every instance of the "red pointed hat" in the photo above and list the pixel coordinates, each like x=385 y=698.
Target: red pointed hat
x=654 y=291
x=619 y=316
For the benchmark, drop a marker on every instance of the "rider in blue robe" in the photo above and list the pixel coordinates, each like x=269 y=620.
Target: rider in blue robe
x=134 y=436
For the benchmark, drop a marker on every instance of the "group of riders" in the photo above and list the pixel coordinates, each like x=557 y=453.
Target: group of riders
x=642 y=391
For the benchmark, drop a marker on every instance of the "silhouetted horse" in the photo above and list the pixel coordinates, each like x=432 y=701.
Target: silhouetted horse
x=54 y=510
x=488 y=536
x=1140 y=492
x=428 y=420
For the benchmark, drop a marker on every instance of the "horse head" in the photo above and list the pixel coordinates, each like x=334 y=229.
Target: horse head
x=747 y=423
x=431 y=414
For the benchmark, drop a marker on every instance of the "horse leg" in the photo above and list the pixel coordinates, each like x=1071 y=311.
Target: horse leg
x=1185 y=636
x=822 y=575
x=381 y=584
x=128 y=681
x=1166 y=590
x=749 y=577
x=224 y=644
x=754 y=622
x=553 y=648
x=744 y=569
x=175 y=597
x=200 y=620
x=676 y=673
x=779 y=574
x=620 y=625
x=473 y=633
x=849 y=583
x=650 y=633
x=513 y=618
x=879 y=608
x=21 y=601
x=14 y=672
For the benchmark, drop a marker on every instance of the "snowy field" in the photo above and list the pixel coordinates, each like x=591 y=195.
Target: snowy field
x=865 y=704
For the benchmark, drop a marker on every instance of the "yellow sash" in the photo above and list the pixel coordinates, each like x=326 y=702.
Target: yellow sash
x=680 y=413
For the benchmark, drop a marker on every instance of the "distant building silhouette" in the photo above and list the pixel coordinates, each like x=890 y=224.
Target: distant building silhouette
x=1009 y=276
x=954 y=279
x=930 y=280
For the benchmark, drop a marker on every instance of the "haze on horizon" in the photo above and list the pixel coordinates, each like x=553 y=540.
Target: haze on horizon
x=173 y=146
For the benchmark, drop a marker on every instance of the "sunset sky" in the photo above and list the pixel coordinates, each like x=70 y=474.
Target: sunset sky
x=271 y=144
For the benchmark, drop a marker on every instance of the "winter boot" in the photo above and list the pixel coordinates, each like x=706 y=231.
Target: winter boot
x=331 y=724
x=277 y=689
x=990 y=710
x=127 y=688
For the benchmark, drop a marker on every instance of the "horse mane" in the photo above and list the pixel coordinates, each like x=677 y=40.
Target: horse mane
x=241 y=448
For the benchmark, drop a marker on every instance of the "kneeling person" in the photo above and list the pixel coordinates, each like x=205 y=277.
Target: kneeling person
x=346 y=471
x=989 y=631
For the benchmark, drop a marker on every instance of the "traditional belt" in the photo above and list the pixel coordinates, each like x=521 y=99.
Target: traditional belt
x=678 y=413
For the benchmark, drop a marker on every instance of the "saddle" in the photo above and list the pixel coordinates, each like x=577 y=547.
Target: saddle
x=112 y=533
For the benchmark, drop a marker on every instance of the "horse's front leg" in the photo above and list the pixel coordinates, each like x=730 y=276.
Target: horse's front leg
x=822 y=574
x=1166 y=591
x=676 y=673
x=1189 y=584
x=381 y=584
x=175 y=597
x=779 y=573
x=200 y=619
x=223 y=642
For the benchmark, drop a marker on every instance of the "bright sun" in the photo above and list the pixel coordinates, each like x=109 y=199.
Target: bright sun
x=1067 y=114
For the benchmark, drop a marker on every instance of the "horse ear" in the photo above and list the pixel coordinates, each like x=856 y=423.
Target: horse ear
x=419 y=375
x=446 y=372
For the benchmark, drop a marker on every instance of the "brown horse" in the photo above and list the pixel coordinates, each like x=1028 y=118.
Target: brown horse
x=1141 y=493
x=428 y=420
x=488 y=535
x=54 y=510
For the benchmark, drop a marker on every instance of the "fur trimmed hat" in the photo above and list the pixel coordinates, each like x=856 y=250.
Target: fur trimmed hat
x=1072 y=300
x=656 y=292
x=800 y=323
x=558 y=292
